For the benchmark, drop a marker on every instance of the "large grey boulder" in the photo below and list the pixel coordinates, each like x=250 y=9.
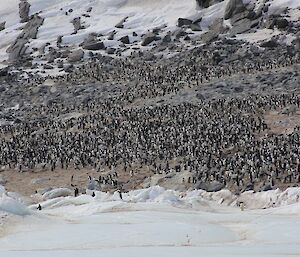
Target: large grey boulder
x=233 y=7
x=91 y=43
x=149 y=38
x=213 y=186
x=76 y=55
x=2 y=25
x=24 y=7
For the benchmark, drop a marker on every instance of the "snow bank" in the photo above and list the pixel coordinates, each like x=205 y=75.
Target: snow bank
x=11 y=205
x=57 y=192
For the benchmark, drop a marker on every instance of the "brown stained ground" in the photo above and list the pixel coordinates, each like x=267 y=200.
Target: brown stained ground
x=282 y=123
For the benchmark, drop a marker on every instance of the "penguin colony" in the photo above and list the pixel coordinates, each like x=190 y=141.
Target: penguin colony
x=224 y=139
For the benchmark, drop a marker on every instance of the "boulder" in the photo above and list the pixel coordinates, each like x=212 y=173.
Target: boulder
x=213 y=186
x=3 y=73
x=149 y=38
x=281 y=23
x=110 y=50
x=207 y=3
x=125 y=40
x=77 y=24
x=24 y=7
x=272 y=43
x=184 y=22
x=195 y=27
x=17 y=49
x=76 y=55
x=94 y=46
x=30 y=30
x=2 y=25
x=233 y=7
x=215 y=30
x=242 y=26
x=120 y=25
x=167 y=38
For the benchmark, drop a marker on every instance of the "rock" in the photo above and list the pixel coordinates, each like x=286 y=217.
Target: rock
x=94 y=46
x=195 y=27
x=24 y=7
x=110 y=50
x=213 y=186
x=111 y=35
x=134 y=34
x=242 y=26
x=167 y=38
x=215 y=30
x=149 y=38
x=76 y=55
x=3 y=180
x=17 y=50
x=267 y=187
x=48 y=67
x=120 y=25
x=31 y=28
x=207 y=3
x=89 y=9
x=125 y=40
x=184 y=22
x=60 y=64
x=2 y=25
x=233 y=7
x=68 y=68
x=281 y=23
x=3 y=72
x=77 y=24
x=270 y=44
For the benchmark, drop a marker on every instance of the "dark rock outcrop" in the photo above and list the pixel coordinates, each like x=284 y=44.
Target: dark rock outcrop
x=2 y=25
x=125 y=40
x=149 y=38
x=233 y=7
x=24 y=7
x=184 y=22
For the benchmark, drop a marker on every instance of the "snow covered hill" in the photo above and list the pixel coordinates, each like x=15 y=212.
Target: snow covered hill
x=52 y=30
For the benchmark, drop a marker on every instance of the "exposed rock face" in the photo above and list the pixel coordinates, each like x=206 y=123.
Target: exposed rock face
x=2 y=25
x=233 y=7
x=76 y=55
x=30 y=30
x=24 y=7
x=149 y=38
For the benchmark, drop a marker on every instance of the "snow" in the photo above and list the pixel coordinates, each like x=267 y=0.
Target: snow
x=155 y=222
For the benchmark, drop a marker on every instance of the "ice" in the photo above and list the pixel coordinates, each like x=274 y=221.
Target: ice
x=12 y=206
x=158 y=222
